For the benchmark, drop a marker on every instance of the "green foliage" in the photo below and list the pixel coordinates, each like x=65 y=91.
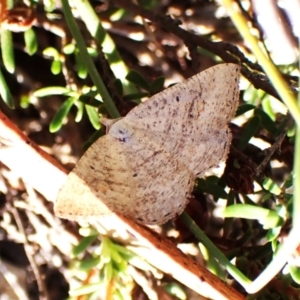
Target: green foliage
x=52 y=90
x=84 y=244
x=295 y=273
x=7 y=50
x=137 y=79
x=265 y=120
x=271 y=186
x=268 y=218
x=244 y=108
x=175 y=290
x=5 y=92
x=211 y=187
x=93 y=116
x=74 y=98
x=30 y=41
x=69 y=49
x=211 y=263
x=81 y=69
x=108 y=262
x=88 y=95
x=157 y=85
x=136 y=96
x=249 y=130
x=56 y=63
x=8 y=58
x=61 y=114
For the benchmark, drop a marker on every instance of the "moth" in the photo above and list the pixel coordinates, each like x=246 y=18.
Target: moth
x=145 y=166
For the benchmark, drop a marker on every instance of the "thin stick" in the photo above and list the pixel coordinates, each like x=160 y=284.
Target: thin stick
x=28 y=249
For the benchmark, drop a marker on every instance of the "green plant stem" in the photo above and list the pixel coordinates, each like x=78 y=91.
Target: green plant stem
x=214 y=251
x=271 y=71
x=296 y=179
x=284 y=252
x=94 y=26
x=108 y=102
x=293 y=240
x=7 y=51
x=5 y=92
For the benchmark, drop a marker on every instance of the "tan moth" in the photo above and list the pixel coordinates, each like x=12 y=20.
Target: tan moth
x=145 y=166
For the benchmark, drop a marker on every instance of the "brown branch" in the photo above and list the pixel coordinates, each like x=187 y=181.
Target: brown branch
x=44 y=295
x=228 y=52
x=25 y=158
x=275 y=146
x=46 y=175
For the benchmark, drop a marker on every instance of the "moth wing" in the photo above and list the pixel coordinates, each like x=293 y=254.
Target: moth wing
x=96 y=178
x=160 y=184
x=192 y=117
x=128 y=176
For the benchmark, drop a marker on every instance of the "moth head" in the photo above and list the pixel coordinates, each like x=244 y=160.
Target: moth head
x=121 y=131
